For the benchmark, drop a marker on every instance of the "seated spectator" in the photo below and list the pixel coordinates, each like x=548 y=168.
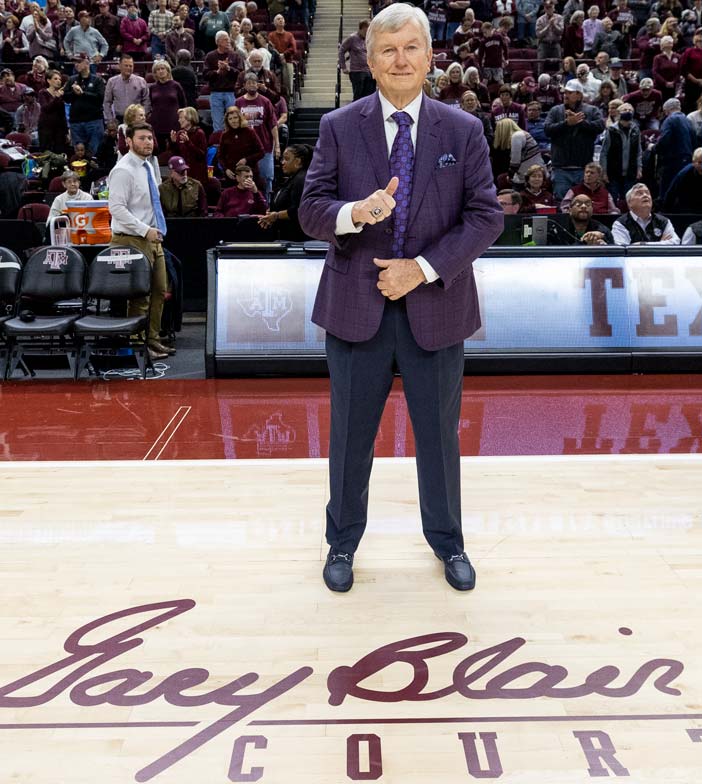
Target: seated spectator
x=190 y=143
x=469 y=103
x=547 y=94
x=71 y=183
x=135 y=115
x=601 y=70
x=581 y=228
x=616 y=70
x=535 y=194
x=439 y=84
x=523 y=150
x=589 y=86
x=243 y=198
x=27 y=116
x=182 y=196
x=642 y=226
x=695 y=120
x=471 y=79
x=134 y=32
x=451 y=94
x=83 y=163
x=685 y=191
x=593 y=187
x=466 y=58
x=693 y=234
x=536 y=125
x=647 y=104
x=283 y=213
x=568 y=70
x=666 y=68
x=606 y=93
x=621 y=156
x=10 y=91
x=510 y=201
x=238 y=145
x=507 y=109
x=524 y=94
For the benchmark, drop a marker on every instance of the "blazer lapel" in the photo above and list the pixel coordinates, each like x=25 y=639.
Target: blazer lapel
x=425 y=156
x=373 y=133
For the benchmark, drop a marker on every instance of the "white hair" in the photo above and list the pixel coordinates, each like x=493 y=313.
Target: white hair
x=671 y=105
x=630 y=192
x=393 y=18
x=667 y=39
x=697 y=153
x=470 y=71
x=221 y=34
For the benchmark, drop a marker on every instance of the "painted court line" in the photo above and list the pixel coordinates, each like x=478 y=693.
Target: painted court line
x=170 y=429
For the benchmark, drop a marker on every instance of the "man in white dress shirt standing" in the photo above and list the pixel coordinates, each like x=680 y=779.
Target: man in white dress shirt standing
x=138 y=221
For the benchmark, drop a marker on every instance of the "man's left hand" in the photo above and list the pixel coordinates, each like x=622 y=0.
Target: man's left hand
x=398 y=277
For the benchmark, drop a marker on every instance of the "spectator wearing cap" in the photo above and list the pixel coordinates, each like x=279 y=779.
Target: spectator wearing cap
x=84 y=39
x=647 y=104
x=675 y=144
x=547 y=95
x=134 y=31
x=15 y=46
x=640 y=225
x=72 y=192
x=572 y=128
x=10 y=91
x=691 y=70
x=123 y=90
x=549 y=32
x=107 y=25
x=685 y=191
x=190 y=143
x=616 y=70
x=52 y=126
x=593 y=187
x=27 y=115
x=160 y=24
x=506 y=108
x=580 y=228
x=84 y=92
x=243 y=198
x=666 y=69
x=621 y=156
x=524 y=94
x=181 y=195
x=492 y=53
x=573 y=42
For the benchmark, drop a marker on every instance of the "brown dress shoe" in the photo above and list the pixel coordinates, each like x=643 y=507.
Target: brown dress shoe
x=160 y=348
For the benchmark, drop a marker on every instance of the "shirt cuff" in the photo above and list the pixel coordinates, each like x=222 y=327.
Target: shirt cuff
x=429 y=272
x=344 y=222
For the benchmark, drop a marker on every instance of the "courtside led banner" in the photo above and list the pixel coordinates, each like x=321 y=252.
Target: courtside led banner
x=569 y=302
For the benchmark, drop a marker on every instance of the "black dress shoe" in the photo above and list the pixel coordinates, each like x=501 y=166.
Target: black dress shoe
x=338 y=571
x=459 y=572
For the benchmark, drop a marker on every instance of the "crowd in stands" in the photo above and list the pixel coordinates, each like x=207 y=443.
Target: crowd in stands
x=217 y=85
x=583 y=106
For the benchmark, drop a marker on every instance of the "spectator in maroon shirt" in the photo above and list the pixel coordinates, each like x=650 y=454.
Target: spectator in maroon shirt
x=506 y=108
x=666 y=68
x=260 y=113
x=36 y=78
x=10 y=92
x=134 y=32
x=492 y=53
x=108 y=25
x=548 y=95
x=238 y=145
x=451 y=94
x=472 y=81
x=647 y=104
x=244 y=198
x=190 y=143
x=166 y=97
x=466 y=58
x=648 y=42
x=691 y=70
x=467 y=30
x=525 y=91
x=573 y=42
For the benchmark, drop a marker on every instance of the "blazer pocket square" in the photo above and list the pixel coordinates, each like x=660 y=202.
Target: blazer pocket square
x=445 y=160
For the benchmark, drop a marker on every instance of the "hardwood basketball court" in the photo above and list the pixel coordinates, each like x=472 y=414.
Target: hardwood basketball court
x=139 y=596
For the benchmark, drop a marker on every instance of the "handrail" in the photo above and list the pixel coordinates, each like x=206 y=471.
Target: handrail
x=337 y=92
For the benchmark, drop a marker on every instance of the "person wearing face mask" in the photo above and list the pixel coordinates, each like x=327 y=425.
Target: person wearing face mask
x=621 y=156
x=134 y=32
x=181 y=195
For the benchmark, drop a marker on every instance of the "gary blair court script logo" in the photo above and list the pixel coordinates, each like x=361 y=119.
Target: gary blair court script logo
x=489 y=674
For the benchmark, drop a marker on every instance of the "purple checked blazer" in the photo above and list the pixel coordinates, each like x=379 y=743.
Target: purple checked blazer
x=454 y=216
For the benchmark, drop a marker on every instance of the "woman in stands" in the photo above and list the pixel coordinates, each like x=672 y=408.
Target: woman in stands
x=517 y=148
x=15 y=46
x=535 y=193
x=134 y=114
x=666 y=68
x=167 y=97
x=41 y=36
x=441 y=82
x=607 y=93
x=283 y=213
x=573 y=40
x=239 y=145
x=451 y=94
x=53 y=130
x=471 y=79
x=190 y=142
x=568 y=70
x=36 y=78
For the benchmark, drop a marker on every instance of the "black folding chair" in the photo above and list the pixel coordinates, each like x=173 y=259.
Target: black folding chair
x=116 y=273
x=10 y=274
x=50 y=300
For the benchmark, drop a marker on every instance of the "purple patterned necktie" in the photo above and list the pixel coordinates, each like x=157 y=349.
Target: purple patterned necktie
x=402 y=167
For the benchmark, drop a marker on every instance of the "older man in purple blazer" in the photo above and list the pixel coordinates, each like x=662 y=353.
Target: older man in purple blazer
x=401 y=187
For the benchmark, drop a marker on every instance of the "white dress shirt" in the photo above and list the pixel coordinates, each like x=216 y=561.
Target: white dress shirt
x=622 y=237
x=130 y=199
x=344 y=222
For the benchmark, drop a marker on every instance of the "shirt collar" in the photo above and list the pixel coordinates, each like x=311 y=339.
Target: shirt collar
x=412 y=108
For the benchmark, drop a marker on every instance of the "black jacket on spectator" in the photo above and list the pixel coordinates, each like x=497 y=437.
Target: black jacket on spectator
x=568 y=235
x=615 y=144
x=187 y=79
x=88 y=106
x=572 y=146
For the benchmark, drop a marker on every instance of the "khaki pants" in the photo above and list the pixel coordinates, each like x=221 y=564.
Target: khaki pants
x=159 y=282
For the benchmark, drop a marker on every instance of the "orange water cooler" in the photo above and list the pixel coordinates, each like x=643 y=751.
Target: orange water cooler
x=90 y=222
